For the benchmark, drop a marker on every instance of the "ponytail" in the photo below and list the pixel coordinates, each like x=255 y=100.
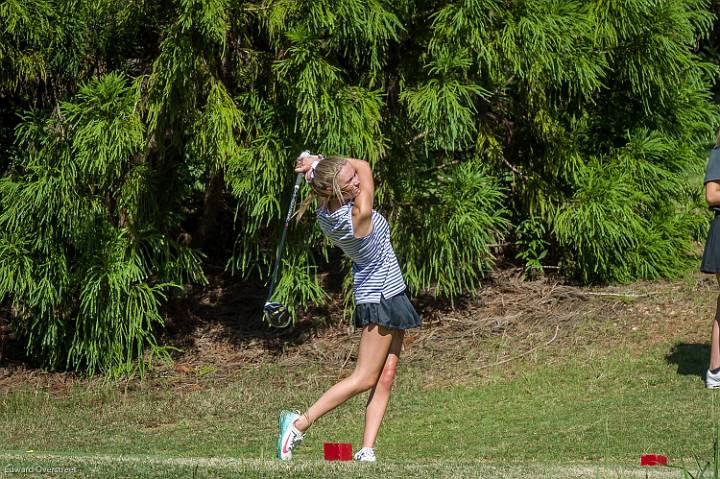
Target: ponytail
x=323 y=184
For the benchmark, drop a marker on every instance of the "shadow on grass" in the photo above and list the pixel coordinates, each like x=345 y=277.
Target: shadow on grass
x=691 y=359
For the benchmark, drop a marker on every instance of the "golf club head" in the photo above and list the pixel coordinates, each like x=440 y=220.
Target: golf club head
x=276 y=315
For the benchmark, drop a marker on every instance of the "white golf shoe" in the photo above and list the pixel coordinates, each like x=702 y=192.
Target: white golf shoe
x=366 y=454
x=712 y=381
x=289 y=436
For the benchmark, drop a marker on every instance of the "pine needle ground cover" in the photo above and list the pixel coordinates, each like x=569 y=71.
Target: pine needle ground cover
x=621 y=377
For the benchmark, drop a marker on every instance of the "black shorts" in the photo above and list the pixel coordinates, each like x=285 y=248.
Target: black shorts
x=711 y=255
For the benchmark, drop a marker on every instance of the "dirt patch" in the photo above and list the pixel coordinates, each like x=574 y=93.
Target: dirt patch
x=218 y=330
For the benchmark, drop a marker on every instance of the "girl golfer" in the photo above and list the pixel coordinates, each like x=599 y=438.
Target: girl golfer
x=711 y=258
x=344 y=188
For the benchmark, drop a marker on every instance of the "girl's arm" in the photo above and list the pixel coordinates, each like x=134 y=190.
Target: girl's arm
x=712 y=193
x=363 y=202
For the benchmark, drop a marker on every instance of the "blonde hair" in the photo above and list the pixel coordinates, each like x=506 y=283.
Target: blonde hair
x=324 y=184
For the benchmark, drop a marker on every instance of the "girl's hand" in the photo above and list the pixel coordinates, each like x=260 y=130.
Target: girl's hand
x=304 y=162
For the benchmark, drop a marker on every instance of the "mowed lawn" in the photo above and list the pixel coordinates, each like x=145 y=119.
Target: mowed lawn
x=585 y=406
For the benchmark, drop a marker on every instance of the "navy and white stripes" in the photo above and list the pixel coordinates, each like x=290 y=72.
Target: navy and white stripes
x=375 y=268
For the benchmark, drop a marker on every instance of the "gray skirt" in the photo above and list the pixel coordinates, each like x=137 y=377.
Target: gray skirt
x=711 y=255
x=393 y=313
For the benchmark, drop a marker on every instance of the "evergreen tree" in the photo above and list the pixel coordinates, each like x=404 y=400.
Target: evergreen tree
x=137 y=135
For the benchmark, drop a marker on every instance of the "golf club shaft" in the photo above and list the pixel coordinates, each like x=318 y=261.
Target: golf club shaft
x=283 y=235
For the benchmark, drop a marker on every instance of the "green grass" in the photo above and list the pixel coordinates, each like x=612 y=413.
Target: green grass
x=66 y=466
x=566 y=411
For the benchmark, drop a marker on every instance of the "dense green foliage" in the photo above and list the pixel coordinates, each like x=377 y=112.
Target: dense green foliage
x=138 y=138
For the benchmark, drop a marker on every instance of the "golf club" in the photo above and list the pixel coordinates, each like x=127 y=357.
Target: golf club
x=276 y=314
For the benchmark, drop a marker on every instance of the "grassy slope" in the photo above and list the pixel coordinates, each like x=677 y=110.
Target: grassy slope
x=612 y=389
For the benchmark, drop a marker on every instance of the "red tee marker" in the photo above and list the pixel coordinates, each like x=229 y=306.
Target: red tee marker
x=337 y=451
x=653 y=460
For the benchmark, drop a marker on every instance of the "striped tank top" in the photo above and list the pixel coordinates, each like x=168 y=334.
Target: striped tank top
x=375 y=269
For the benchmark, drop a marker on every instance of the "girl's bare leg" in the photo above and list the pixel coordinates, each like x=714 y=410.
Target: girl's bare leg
x=375 y=343
x=380 y=394
x=715 y=338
